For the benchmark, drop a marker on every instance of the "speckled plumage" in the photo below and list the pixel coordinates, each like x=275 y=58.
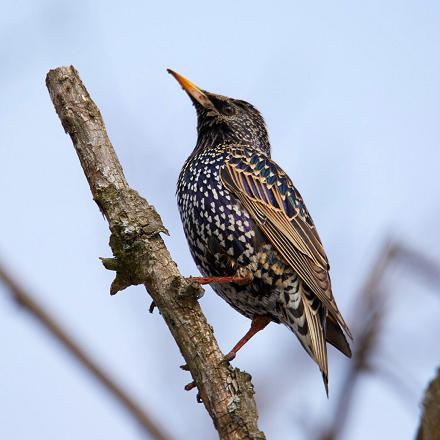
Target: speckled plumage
x=242 y=216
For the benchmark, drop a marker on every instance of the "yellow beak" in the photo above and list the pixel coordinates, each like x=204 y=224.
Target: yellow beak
x=192 y=90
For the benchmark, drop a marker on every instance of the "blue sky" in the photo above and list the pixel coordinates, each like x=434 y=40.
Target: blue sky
x=350 y=93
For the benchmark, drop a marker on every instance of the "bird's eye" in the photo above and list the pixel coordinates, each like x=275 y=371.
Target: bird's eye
x=228 y=110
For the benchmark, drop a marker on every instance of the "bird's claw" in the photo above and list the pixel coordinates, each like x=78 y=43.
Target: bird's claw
x=190 y=386
x=229 y=357
x=152 y=307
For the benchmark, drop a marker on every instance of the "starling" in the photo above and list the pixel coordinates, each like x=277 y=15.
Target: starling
x=249 y=230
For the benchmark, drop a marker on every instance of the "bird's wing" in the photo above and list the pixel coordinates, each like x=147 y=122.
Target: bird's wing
x=278 y=209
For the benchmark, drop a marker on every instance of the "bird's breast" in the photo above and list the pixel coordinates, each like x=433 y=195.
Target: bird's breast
x=220 y=232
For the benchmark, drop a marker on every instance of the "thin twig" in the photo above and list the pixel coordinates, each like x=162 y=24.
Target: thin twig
x=25 y=300
x=369 y=319
x=428 y=269
x=371 y=313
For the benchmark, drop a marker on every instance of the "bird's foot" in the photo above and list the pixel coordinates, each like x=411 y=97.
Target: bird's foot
x=229 y=357
x=152 y=307
x=190 y=386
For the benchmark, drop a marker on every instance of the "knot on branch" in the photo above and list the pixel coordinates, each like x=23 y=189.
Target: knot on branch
x=134 y=225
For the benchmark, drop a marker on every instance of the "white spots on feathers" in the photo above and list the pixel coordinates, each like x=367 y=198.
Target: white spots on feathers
x=220 y=233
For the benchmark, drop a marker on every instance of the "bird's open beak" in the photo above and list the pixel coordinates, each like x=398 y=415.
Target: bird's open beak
x=193 y=91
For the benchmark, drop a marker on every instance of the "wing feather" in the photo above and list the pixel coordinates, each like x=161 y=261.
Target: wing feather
x=278 y=209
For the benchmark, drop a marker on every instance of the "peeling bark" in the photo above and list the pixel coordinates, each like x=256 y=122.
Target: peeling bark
x=140 y=257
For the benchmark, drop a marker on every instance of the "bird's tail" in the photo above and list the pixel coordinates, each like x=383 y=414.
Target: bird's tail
x=306 y=316
x=336 y=336
x=316 y=317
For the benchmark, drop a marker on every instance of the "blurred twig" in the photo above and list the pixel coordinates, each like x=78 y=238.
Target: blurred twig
x=142 y=258
x=370 y=316
x=428 y=270
x=25 y=300
x=404 y=387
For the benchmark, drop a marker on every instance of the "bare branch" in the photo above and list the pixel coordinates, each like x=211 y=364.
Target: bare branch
x=25 y=300
x=142 y=258
x=430 y=423
x=370 y=316
x=419 y=263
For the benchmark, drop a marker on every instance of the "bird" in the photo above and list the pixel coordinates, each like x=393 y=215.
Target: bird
x=249 y=231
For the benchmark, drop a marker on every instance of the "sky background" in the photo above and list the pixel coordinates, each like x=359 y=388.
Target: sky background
x=351 y=95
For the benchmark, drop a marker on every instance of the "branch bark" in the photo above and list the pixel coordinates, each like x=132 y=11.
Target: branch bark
x=140 y=257
x=430 y=424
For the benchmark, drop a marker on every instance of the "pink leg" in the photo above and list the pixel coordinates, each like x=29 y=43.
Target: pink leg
x=258 y=323
x=220 y=280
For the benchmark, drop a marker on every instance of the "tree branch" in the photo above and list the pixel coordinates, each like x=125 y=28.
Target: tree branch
x=25 y=300
x=371 y=313
x=430 y=424
x=142 y=258
x=369 y=317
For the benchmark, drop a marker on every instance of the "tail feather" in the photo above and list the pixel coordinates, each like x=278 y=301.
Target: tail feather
x=325 y=380
x=308 y=318
x=315 y=314
x=336 y=336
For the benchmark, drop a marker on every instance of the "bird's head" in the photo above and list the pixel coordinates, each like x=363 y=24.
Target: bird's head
x=225 y=120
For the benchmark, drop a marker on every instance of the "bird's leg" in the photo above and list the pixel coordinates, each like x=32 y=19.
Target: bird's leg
x=242 y=277
x=258 y=323
x=219 y=280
